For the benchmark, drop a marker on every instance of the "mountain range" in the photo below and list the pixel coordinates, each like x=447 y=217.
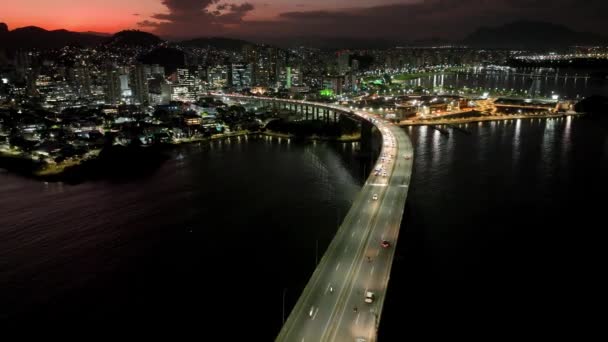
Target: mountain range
x=530 y=34
x=520 y=34
x=217 y=42
x=32 y=37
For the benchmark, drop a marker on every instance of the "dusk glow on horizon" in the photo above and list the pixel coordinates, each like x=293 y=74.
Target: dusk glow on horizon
x=391 y=19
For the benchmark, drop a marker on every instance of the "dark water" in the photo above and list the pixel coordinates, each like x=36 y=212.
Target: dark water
x=503 y=233
x=212 y=238
x=499 y=234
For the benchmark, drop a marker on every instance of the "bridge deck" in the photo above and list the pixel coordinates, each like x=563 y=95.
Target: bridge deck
x=355 y=262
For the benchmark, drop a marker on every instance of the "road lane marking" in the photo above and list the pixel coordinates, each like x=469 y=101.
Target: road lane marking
x=357 y=320
x=338 y=266
x=354 y=271
x=315 y=315
x=376 y=184
x=403 y=186
x=345 y=249
x=372 y=272
x=377 y=252
x=353 y=234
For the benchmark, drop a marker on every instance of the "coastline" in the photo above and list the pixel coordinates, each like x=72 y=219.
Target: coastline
x=93 y=164
x=407 y=123
x=342 y=139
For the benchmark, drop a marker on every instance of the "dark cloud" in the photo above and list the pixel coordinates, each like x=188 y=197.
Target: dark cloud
x=197 y=17
x=404 y=20
x=434 y=18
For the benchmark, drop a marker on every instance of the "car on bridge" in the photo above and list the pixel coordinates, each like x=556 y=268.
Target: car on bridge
x=369 y=297
x=375 y=197
x=385 y=244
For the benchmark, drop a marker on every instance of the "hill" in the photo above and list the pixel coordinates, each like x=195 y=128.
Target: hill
x=169 y=58
x=331 y=43
x=216 y=42
x=133 y=38
x=530 y=34
x=35 y=37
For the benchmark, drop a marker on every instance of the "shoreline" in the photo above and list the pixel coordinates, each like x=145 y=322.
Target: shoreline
x=341 y=139
x=408 y=123
x=21 y=165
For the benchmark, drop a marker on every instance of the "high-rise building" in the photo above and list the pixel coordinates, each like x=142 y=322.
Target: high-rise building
x=240 y=76
x=156 y=69
x=217 y=76
x=139 y=82
x=274 y=62
x=249 y=53
x=185 y=88
x=343 y=63
x=184 y=77
x=79 y=79
x=335 y=83
x=112 y=85
x=291 y=77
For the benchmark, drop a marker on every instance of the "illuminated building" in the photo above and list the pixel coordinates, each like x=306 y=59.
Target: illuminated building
x=217 y=76
x=112 y=85
x=240 y=76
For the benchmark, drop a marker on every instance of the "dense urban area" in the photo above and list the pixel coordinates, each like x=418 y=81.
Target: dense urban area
x=59 y=107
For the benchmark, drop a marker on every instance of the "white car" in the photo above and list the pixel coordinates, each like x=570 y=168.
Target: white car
x=375 y=197
x=369 y=297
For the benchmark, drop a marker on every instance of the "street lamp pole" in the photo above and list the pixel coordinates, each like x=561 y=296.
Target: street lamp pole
x=284 y=292
x=316 y=251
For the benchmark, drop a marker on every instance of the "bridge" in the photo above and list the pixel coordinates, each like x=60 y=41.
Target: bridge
x=344 y=297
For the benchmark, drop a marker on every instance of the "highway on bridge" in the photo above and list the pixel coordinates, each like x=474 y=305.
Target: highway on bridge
x=357 y=263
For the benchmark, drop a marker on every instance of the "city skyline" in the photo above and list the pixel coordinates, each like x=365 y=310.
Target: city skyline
x=391 y=19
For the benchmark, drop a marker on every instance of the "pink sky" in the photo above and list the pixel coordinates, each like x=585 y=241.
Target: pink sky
x=402 y=20
x=115 y=15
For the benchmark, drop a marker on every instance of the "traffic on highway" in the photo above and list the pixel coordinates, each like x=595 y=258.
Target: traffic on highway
x=344 y=297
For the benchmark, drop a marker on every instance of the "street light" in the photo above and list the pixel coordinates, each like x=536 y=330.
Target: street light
x=284 y=292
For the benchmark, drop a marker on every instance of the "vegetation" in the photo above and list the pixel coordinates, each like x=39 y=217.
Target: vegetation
x=309 y=128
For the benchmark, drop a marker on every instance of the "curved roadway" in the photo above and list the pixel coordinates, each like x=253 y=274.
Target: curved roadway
x=332 y=306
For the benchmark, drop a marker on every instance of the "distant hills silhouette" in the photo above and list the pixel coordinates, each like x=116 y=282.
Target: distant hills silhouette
x=132 y=38
x=32 y=37
x=530 y=34
x=519 y=34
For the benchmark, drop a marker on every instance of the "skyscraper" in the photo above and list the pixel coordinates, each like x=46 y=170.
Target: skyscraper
x=79 y=79
x=343 y=63
x=139 y=81
x=112 y=85
x=241 y=75
x=217 y=76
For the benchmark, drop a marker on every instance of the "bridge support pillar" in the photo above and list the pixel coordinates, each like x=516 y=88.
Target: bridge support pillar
x=366 y=137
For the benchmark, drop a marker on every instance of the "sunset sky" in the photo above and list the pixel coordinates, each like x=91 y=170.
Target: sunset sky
x=356 y=18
